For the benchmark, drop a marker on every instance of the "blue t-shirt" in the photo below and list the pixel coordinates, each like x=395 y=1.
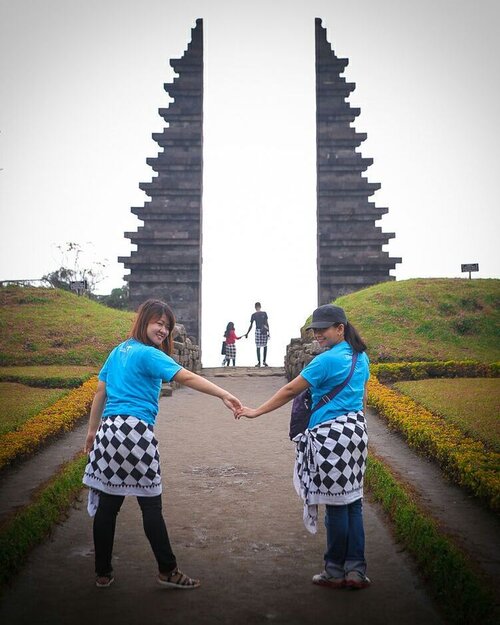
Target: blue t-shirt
x=329 y=369
x=133 y=374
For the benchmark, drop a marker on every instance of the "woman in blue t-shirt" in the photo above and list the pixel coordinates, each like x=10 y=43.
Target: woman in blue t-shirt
x=331 y=453
x=122 y=448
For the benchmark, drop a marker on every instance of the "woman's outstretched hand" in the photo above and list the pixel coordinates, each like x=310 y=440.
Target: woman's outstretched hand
x=244 y=411
x=232 y=402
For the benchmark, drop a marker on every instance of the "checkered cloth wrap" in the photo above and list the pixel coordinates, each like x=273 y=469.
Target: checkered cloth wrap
x=124 y=459
x=260 y=338
x=230 y=351
x=330 y=463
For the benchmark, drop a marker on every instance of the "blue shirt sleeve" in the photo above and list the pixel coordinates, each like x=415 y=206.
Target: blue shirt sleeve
x=367 y=360
x=103 y=373
x=315 y=373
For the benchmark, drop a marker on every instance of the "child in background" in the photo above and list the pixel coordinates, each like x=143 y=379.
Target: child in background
x=230 y=338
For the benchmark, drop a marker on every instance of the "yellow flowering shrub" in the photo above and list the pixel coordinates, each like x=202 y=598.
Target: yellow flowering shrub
x=467 y=461
x=59 y=417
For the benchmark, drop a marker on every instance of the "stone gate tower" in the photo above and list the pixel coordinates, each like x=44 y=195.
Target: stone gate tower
x=350 y=255
x=167 y=262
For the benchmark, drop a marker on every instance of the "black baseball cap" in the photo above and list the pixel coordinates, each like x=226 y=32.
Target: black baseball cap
x=325 y=316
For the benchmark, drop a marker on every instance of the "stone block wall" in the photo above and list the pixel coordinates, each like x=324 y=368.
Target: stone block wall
x=186 y=353
x=299 y=353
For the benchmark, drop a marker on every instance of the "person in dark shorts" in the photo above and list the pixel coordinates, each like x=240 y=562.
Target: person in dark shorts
x=261 y=332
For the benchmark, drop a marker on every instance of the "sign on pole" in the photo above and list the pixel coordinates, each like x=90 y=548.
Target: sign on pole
x=79 y=286
x=470 y=267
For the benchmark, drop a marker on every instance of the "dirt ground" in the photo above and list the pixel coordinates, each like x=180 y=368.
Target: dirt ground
x=235 y=522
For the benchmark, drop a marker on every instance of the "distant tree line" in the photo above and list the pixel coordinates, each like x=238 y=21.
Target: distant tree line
x=81 y=276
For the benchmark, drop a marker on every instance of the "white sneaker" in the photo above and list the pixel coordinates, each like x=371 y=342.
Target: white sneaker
x=323 y=579
x=355 y=579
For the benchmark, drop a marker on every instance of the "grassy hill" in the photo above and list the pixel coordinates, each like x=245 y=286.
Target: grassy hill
x=52 y=327
x=411 y=320
x=428 y=319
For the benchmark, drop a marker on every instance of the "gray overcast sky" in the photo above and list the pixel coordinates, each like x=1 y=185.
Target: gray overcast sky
x=82 y=82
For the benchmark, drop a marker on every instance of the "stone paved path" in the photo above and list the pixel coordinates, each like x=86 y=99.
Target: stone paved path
x=234 y=520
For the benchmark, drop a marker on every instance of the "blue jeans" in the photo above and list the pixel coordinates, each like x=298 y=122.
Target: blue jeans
x=345 y=537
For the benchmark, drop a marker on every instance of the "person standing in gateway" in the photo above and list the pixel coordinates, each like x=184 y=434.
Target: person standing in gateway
x=261 y=332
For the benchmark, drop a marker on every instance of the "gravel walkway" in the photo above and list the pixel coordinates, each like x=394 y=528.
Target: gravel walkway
x=235 y=522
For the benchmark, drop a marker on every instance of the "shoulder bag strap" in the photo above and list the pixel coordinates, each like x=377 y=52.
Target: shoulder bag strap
x=335 y=391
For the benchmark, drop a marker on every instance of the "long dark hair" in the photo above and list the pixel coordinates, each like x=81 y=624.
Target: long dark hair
x=151 y=310
x=229 y=327
x=352 y=336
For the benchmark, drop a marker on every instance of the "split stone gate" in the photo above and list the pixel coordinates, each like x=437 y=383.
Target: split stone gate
x=167 y=262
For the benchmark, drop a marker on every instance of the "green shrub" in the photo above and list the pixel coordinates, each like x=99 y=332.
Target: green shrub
x=464 y=596
x=33 y=523
x=393 y=372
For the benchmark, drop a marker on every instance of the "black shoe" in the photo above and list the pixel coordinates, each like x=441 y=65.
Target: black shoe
x=258 y=364
x=265 y=364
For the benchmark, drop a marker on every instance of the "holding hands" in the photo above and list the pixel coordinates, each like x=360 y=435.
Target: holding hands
x=233 y=403
x=245 y=411
x=280 y=398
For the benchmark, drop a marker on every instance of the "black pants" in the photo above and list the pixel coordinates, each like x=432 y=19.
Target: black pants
x=154 y=528
x=258 y=354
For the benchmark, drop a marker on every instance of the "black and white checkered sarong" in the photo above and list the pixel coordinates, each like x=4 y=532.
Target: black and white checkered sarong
x=124 y=459
x=261 y=337
x=330 y=464
x=230 y=351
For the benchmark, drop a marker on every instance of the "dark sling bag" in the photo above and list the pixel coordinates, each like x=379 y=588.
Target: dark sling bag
x=302 y=404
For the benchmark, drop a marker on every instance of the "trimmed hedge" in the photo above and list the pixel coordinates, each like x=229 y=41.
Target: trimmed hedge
x=465 y=460
x=395 y=372
x=50 y=376
x=44 y=382
x=463 y=596
x=20 y=534
x=59 y=417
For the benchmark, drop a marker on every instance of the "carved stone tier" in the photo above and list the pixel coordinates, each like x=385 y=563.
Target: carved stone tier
x=350 y=255
x=167 y=262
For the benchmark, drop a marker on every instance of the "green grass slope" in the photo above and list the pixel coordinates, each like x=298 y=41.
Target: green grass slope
x=411 y=320
x=428 y=319
x=54 y=327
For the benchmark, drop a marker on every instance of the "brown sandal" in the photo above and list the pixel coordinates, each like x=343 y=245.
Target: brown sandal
x=177 y=579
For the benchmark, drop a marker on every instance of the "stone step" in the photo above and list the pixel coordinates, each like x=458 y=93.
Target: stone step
x=239 y=372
